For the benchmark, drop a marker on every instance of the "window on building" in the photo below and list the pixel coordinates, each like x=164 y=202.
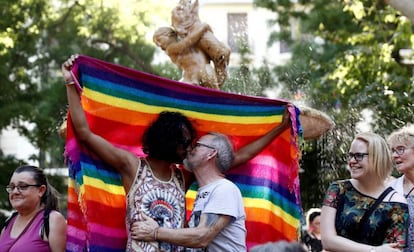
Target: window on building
x=284 y=47
x=237 y=30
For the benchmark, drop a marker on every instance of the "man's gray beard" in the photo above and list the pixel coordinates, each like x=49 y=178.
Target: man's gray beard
x=187 y=165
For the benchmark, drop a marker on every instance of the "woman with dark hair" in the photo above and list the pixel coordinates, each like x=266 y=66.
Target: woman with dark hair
x=311 y=237
x=36 y=224
x=153 y=185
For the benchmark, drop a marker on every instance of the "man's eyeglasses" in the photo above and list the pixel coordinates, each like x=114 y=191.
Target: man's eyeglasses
x=196 y=144
x=399 y=150
x=20 y=188
x=185 y=143
x=358 y=156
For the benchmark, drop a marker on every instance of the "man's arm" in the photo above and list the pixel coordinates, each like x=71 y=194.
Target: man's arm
x=252 y=149
x=199 y=237
x=116 y=157
x=188 y=41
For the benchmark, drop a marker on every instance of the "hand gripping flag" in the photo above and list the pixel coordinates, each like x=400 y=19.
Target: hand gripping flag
x=120 y=102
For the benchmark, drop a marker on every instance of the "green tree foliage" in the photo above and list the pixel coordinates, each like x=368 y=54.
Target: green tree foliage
x=345 y=59
x=7 y=164
x=37 y=36
x=245 y=79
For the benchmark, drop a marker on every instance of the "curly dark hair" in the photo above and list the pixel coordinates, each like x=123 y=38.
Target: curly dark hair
x=168 y=132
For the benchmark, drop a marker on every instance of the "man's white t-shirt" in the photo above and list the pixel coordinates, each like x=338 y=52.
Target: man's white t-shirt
x=224 y=198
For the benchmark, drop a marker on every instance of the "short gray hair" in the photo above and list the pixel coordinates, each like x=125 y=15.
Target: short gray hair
x=404 y=135
x=225 y=152
x=282 y=246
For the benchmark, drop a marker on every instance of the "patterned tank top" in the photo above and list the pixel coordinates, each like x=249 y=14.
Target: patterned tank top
x=164 y=201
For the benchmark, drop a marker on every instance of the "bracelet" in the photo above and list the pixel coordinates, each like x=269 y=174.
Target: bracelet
x=156 y=233
x=68 y=83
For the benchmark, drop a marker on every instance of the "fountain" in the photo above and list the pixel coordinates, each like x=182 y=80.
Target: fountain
x=192 y=46
x=203 y=59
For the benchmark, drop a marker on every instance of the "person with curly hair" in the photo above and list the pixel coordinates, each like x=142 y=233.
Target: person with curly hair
x=217 y=222
x=154 y=184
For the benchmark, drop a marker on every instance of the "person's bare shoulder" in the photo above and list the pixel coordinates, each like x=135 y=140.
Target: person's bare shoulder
x=56 y=216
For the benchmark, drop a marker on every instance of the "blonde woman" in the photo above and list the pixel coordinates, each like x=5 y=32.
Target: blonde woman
x=350 y=219
x=402 y=150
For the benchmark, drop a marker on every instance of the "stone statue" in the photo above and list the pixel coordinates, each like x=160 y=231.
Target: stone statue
x=194 y=63
x=190 y=37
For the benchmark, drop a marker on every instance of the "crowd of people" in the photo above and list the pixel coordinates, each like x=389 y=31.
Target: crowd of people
x=363 y=213
x=165 y=149
x=367 y=212
x=371 y=211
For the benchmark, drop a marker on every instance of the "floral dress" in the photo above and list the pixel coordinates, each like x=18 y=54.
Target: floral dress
x=398 y=185
x=388 y=223
x=410 y=200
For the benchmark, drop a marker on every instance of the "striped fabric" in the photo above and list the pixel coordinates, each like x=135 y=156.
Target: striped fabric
x=119 y=104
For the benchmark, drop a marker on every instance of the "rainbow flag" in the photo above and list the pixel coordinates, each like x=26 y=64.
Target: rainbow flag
x=120 y=102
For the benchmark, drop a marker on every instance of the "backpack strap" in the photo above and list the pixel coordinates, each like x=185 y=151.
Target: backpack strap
x=7 y=221
x=356 y=236
x=24 y=230
x=45 y=226
x=375 y=205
